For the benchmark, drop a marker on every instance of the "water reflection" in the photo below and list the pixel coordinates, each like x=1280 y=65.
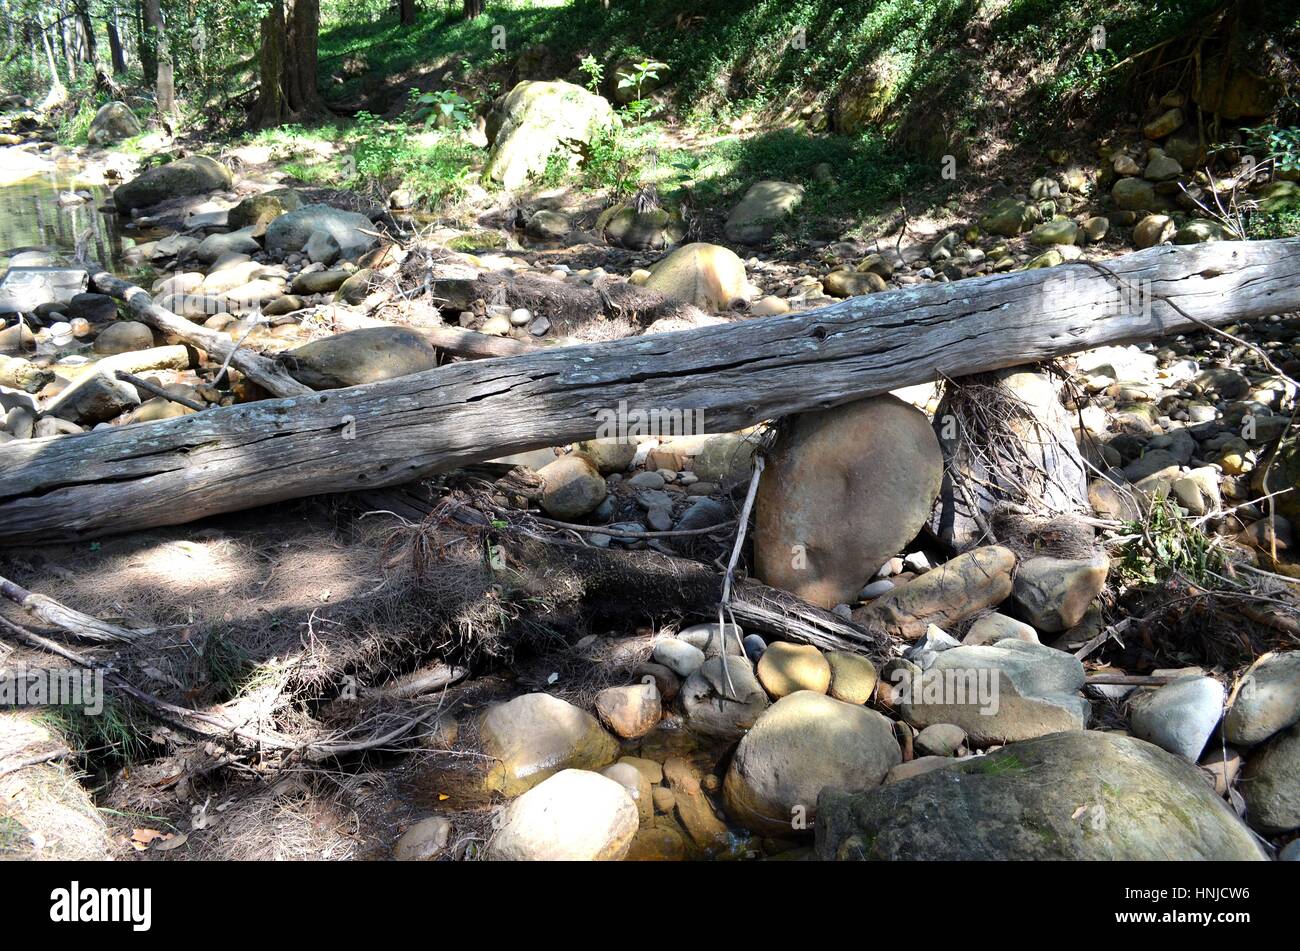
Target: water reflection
x=31 y=217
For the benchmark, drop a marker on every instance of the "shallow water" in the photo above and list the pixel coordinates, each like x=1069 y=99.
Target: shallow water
x=31 y=217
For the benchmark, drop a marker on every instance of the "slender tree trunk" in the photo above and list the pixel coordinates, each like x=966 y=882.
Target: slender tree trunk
x=407 y=12
x=166 y=83
x=145 y=46
x=473 y=9
x=115 y=51
x=290 y=32
x=89 y=47
x=58 y=92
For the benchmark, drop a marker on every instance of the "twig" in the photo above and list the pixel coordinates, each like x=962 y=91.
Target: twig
x=156 y=390
x=65 y=618
x=37 y=760
x=724 y=603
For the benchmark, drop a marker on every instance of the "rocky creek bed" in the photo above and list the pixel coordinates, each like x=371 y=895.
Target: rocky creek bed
x=1046 y=612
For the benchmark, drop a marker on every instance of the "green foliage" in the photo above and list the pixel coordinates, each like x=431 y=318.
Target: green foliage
x=436 y=165
x=639 y=74
x=1279 y=145
x=1168 y=544
x=118 y=732
x=594 y=72
x=443 y=108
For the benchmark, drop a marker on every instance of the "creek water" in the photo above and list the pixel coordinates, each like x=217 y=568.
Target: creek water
x=32 y=218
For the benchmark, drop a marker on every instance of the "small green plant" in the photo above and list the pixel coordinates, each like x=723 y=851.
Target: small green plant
x=594 y=71
x=1279 y=145
x=610 y=162
x=1166 y=544
x=636 y=76
x=447 y=109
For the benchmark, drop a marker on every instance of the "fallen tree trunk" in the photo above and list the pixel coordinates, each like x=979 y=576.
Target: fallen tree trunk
x=225 y=459
x=263 y=371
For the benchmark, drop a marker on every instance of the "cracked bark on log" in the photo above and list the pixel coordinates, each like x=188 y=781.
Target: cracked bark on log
x=226 y=459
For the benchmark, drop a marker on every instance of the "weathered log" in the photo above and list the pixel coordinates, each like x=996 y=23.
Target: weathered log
x=263 y=371
x=237 y=457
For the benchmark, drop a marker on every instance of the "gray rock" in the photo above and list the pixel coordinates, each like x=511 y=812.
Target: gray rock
x=361 y=356
x=234 y=242
x=123 y=336
x=98 y=400
x=292 y=230
x=194 y=175
x=423 y=841
x=764 y=207
x=939 y=739
x=1055 y=593
x=1267 y=702
x=773 y=784
x=113 y=122
x=722 y=706
x=1178 y=717
x=1076 y=795
x=573 y=486
x=754 y=647
x=678 y=656
x=1270 y=783
x=1026 y=690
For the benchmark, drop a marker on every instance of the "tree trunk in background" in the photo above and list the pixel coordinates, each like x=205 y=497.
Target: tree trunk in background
x=290 y=31
x=473 y=9
x=145 y=46
x=407 y=12
x=89 y=49
x=58 y=92
x=166 y=83
x=115 y=51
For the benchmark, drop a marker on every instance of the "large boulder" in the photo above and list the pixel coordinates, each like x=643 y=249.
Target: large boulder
x=957 y=589
x=846 y=488
x=707 y=275
x=292 y=230
x=1267 y=701
x=574 y=816
x=764 y=207
x=194 y=175
x=998 y=693
x=804 y=743
x=1071 y=796
x=572 y=486
x=535 y=119
x=536 y=735
x=113 y=122
x=649 y=230
x=361 y=356
x=1271 y=783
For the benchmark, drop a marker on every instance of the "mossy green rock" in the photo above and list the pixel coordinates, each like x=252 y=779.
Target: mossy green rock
x=195 y=175
x=1006 y=217
x=1060 y=231
x=1133 y=194
x=258 y=211
x=1068 y=796
x=535 y=119
x=641 y=230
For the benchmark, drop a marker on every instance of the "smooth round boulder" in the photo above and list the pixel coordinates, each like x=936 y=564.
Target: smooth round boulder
x=722 y=703
x=707 y=275
x=193 y=175
x=845 y=489
x=785 y=668
x=853 y=677
x=800 y=745
x=361 y=356
x=629 y=712
x=575 y=816
x=1267 y=702
x=1270 y=783
x=123 y=336
x=572 y=486
x=535 y=735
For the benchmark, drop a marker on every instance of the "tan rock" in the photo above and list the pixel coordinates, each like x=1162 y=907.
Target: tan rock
x=853 y=677
x=707 y=275
x=536 y=735
x=966 y=585
x=1055 y=593
x=630 y=712
x=785 y=668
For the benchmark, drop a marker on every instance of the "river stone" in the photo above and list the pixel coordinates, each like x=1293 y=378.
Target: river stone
x=1031 y=690
x=258 y=211
x=651 y=230
x=1055 y=593
x=356 y=288
x=291 y=231
x=1163 y=124
x=944 y=596
x=1071 y=796
x=845 y=283
x=1267 y=701
x=536 y=735
x=536 y=118
x=98 y=400
x=939 y=739
x=800 y=745
x=423 y=841
x=694 y=810
x=610 y=454
x=714 y=639
x=1270 y=783
x=853 y=677
x=1062 y=231
x=1195 y=232
x=1006 y=217
x=1133 y=194
x=678 y=656
x=573 y=487
x=215 y=246
x=786 y=668
x=1153 y=230
x=716 y=709
x=764 y=207
x=994 y=627
x=361 y=356
x=636 y=784
x=113 y=122
x=319 y=282
x=844 y=490
x=630 y=712
x=123 y=336
x=1180 y=716
x=707 y=275
x=194 y=175
x=574 y=815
